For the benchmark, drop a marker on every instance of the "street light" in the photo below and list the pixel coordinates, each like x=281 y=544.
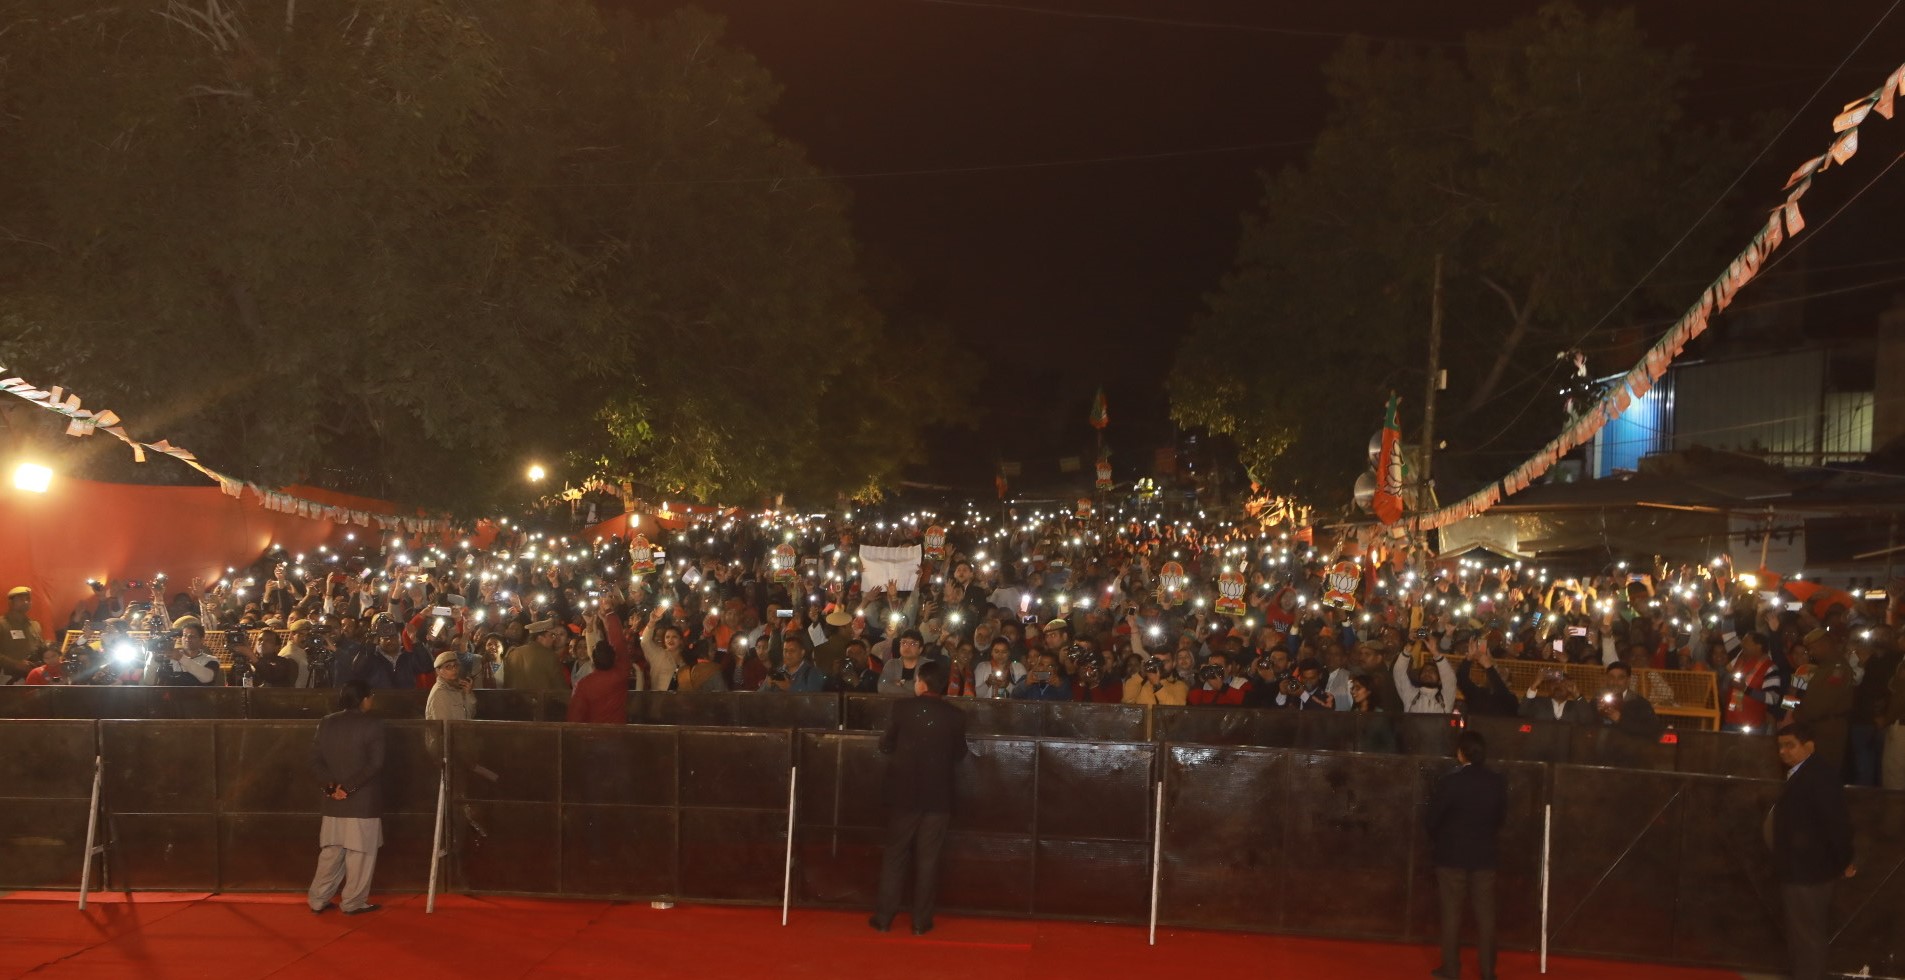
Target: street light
x=536 y=472
x=32 y=477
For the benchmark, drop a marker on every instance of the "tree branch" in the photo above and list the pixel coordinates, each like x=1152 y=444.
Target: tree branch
x=1520 y=312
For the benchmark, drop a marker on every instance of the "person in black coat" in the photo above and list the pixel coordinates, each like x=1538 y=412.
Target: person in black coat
x=926 y=737
x=348 y=760
x=1465 y=821
x=1810 y=832
x=1484 y=692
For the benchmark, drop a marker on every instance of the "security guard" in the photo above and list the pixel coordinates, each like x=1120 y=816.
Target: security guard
x=21 y=642
x=1827 y=705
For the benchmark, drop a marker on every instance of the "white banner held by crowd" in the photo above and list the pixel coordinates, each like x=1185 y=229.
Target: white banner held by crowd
x=879 y=566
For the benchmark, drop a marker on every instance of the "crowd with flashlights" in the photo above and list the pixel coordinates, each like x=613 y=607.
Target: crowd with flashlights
x=1037 y=605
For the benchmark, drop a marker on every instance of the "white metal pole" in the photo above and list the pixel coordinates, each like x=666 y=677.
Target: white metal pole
x=1547 y=836
x=787 y=879
x=436 y=839
x=92 y=831
x=1157 y=852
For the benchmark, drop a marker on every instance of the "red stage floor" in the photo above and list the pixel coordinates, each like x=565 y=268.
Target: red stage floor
x=245 y=937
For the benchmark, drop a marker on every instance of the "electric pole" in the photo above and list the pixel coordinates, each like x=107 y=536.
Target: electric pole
x=1426 y=483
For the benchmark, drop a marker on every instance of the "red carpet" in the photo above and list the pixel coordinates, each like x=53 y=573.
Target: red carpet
x=246 y=937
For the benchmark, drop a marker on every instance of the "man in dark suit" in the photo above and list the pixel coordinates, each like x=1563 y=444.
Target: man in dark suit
x=1554 y=699
x=1465 y=821
x=1811 y=836
x=348 y=759
x=926 y=737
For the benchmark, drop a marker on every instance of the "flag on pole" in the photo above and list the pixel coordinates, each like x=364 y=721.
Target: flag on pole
x=1388 y=500
x=1099 y=416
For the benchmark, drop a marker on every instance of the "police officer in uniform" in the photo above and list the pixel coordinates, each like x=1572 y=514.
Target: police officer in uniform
x=21 y=642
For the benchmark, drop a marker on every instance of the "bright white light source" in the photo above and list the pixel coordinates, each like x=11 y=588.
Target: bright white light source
x=32 y=477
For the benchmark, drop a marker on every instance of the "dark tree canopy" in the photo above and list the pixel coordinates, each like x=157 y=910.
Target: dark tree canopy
x=403 y=247
x=1548 y=162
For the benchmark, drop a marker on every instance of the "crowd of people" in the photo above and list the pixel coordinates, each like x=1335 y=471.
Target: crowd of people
x=1050 y=607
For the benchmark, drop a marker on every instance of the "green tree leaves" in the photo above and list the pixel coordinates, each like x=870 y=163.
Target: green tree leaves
x=1549 y=163
x=404 y=246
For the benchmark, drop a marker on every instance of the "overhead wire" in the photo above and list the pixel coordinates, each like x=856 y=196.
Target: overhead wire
x=1744 y=171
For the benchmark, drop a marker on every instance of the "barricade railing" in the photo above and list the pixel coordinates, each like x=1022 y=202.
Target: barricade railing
x=1662 y=866
x=1689 y=695
x=1681 y=750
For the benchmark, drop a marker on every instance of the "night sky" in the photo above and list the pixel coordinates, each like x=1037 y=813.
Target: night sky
x=1086 y=271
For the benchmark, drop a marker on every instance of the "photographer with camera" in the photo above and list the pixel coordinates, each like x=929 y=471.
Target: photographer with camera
x=1215 y=685
x=1266 y=677
x=1303 y=689
x=190 y=665
x=1155 y=683
x=1090 y=682
x=241 y=653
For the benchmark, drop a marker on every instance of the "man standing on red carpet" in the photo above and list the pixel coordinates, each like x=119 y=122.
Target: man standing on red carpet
x=926 y=737
x=1465 y=821
x=348 y=758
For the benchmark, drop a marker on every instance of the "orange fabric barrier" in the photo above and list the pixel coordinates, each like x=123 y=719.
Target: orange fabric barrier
x=54 y=542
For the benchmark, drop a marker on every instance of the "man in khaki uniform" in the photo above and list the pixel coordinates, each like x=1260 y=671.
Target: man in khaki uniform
x=532 y=666
x=20 y=639
x=1827 y=707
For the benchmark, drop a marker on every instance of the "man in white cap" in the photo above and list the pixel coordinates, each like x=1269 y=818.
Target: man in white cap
x=20 y=638
x=450 y=697
x=532 y=666
x=830 y=650
x=294 y=650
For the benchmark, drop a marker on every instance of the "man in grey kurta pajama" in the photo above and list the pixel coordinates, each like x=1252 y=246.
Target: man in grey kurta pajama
x=348 y=758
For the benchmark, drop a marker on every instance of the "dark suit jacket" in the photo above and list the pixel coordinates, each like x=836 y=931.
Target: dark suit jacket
x=1812 y=829
x=1638 y=716
x=926 y=737
x=349 y=751
x=1465 y=818
x=1576 y=712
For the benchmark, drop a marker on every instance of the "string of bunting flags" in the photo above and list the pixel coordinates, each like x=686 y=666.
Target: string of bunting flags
x=83 y=422
x=1784 y=222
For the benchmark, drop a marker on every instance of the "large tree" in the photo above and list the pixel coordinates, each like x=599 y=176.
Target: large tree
x=1549 y=163
x=408 y=245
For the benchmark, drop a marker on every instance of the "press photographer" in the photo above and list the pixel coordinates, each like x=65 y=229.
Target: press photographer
x=186 y=665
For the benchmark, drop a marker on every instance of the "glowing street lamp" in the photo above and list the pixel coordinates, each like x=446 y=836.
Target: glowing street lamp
x=536 y=472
